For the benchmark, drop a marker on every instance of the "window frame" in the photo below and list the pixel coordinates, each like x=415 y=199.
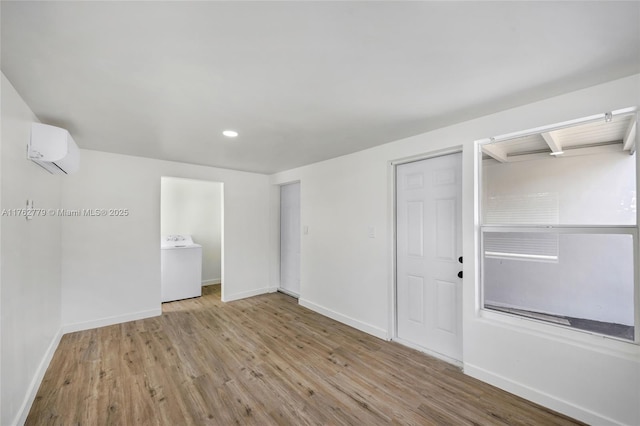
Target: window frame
x=481 y=229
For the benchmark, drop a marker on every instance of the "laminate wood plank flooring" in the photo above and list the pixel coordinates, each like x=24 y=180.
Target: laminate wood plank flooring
x=260 y=361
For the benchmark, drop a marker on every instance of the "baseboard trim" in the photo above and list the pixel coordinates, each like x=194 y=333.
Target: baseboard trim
x=23 y=412
x=103 y=322
x=539 y=397
x=429 y=352
x=211 y=282
x=288 y=293
x=352 y=322
x=245 y=294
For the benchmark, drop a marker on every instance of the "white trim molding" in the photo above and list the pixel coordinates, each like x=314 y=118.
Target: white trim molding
x=250 y=293
x=542 y=398
x=103 y=322
x=23 y=412
x=359 y=325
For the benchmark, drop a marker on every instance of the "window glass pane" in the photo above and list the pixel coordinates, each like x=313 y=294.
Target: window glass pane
x=589 y=286
x=520 y=245
x=590 y=181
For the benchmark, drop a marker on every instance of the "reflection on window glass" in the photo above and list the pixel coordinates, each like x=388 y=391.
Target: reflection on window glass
x=591 y=180
x=519 y=245
x=590 y=287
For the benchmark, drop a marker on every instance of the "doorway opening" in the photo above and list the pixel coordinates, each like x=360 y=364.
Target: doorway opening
x=290 y=239
x=192 y=237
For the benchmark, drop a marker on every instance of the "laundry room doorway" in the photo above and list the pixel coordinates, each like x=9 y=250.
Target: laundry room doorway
x=191 y=216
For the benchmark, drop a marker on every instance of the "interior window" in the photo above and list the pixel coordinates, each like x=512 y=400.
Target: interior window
x=558 y=225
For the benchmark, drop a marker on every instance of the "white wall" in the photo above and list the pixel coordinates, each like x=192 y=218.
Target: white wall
x=30 y=277
x=111 y=265
x=194 y=207
x=593 y=277
x=348 y=276
x=343 y=271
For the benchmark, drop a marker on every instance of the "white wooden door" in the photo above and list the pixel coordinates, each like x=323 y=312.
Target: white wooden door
x=428 y=247
x=290 y=238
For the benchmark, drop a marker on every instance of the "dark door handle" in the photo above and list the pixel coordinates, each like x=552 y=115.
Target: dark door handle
x=460 y=259
x=460 y=274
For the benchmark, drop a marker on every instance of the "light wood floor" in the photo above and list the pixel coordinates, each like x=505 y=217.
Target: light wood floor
x=259 y=361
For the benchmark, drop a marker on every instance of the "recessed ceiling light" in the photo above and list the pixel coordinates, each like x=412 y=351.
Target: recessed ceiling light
x=230 y=133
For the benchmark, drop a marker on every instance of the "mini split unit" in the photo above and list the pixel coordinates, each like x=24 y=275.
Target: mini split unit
x=53 y=148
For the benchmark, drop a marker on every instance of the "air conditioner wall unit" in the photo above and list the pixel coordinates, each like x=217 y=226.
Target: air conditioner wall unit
x=53 y=148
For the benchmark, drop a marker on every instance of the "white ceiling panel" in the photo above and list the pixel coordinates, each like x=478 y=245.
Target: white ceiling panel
x=590 y=138
x=594 y=133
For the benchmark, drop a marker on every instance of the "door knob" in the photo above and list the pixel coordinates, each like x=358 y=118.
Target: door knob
x=460 y=274
x=460 y=259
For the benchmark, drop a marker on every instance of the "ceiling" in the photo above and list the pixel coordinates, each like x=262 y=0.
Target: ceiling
x=300 y=81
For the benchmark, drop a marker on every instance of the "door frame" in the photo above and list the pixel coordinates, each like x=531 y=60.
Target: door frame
x=393 y=279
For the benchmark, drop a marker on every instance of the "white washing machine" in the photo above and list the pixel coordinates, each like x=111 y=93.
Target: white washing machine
x=181 y=265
